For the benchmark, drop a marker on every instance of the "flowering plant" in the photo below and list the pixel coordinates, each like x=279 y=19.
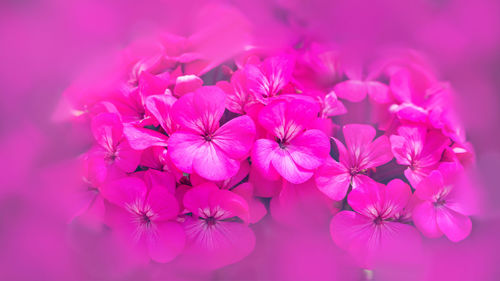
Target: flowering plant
x=188 y=149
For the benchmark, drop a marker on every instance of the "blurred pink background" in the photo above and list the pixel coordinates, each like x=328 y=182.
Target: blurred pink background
x=46 y=44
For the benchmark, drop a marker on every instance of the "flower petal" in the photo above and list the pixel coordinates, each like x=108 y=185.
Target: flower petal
x=310 y=149
x=333 y=180
x=163 y=204
x=236 y=137
x=183 y=147
x=142 y=138
x=425 y=219
x=283 y=163
x=107 y=129
x=262 y=155
x=187 y=84
x=453 y=224
x=167 y=242
x=351 y=90
x=213 y=164
x=124 y=191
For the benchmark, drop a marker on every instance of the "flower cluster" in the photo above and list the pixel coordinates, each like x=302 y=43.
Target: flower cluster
x=186 y=150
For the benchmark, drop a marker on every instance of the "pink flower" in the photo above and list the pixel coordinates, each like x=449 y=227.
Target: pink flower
x=334 y=178
x=267 y=80
x=112 y=149
x=239 y=98
x=145 y=218
x=445 y=204
x=200 y=145
x=419 y=149
x=217 y=233
x=294 y=152
x=372 y=226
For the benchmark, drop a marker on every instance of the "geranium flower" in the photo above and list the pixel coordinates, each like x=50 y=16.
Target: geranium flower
x=267 y=80
x=371 y=226
x=112 y=149
x=200 y=145
x=418 y=148
x=294 y=152
x=445 y=204
x=217 y=232
x=145 y=218
x=362 y=153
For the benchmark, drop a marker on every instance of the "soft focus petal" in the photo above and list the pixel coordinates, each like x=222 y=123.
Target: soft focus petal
x=163 y=204
x=454 y=225
x=425 y=219
x=125 y=191
x=351 y=90
x=333 y=180
x=167 y=242
x=187 y=84
x=107 y=129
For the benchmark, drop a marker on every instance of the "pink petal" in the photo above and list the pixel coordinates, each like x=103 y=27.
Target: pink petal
x=283 y=163
x=197 y=198
x=187 y=84
x=256 y=207
x=435 y=143
x=425 y=219
x=167 y=242
x=232 y=205
x=378 y=152
x=163 y=204
x=213 y=164
x=368 y=199
x=213 y=247
x=155 y=178
x=107 y=129
x=236 y=137
x=150 y=84
x=378 y=92
x=349 y=228
x=397 y=196
x=310 y=149
x=127 y=158
x=264 y=187
x=333 y=180
x=142 y=138
x=183 y=147
x=159 y=106
x=351 y=90
x=125 y=191
x=358 y=136
x=200 y=110
x=431 y=186
x=400 y=149
x=411 y=112
x=262 y=155
x=415 y=176
x=454 y=225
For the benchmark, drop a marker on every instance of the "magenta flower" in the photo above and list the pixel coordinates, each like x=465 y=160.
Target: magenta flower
x=112 y=149
x=372 y=226
x=159 y=107
x=145 y=218
x=239 y=98
x=217 y=233
x=445 y=204
x=362 y=153
x=294 y=152
x=419 y=149
x=267 y=80
x=200 y=145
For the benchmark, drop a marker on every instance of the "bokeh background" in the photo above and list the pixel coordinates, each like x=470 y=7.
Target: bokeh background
x=47 y=44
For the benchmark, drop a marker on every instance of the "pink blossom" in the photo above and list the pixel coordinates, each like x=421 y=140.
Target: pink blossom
x=294 y=152
x=362 y=153
x=200 y=145
x=371 y=226
x=217 y=232
x=112 y=148
x=239 y=98
x=418 y=148
x=267 y=80
x=186 y=84
x=445 y=204
x=144 y=218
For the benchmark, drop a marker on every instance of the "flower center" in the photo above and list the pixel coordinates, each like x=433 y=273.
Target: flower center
x=282 y=143
x=378 y=220
x=210 y=221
